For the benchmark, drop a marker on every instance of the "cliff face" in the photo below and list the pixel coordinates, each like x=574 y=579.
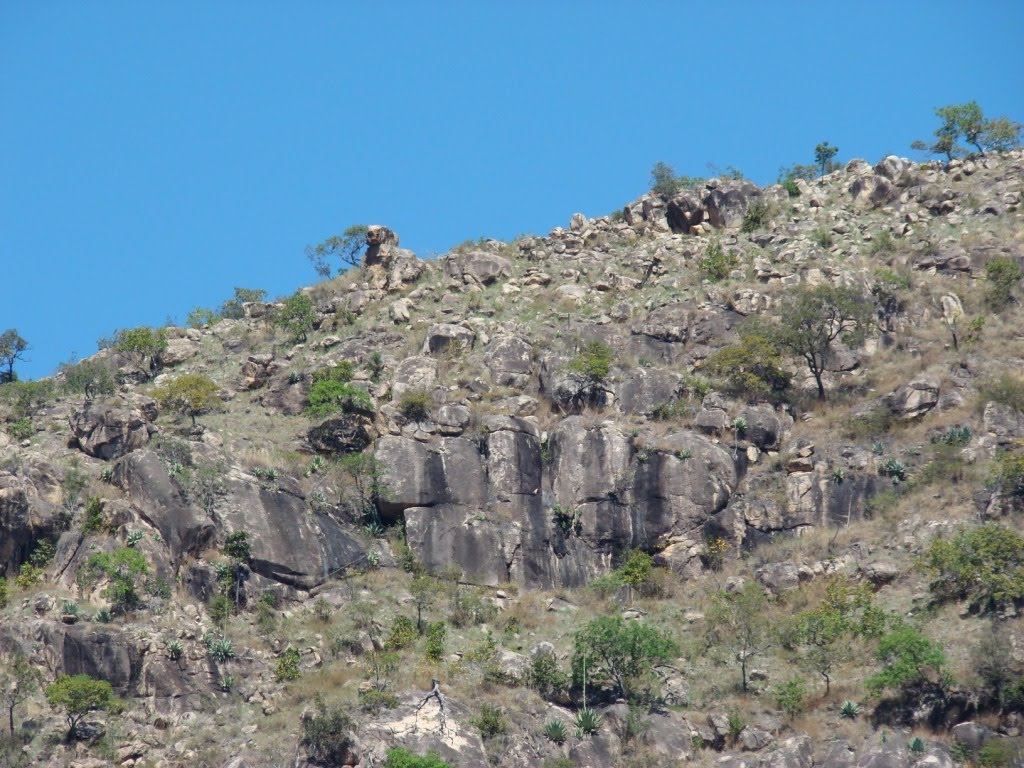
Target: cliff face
x=537 y=410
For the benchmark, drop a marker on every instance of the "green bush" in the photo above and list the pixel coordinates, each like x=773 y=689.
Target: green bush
x=327 y=736
x=490 y=721
x=751 y=369
x=636 y=570
x=984 y=565
x=399 y=757
x=233 y=308
x=288 y=665
x=25 y=397
x=716 y=263
x=403 y=633
x=94 y=521
x=436 y=632
x=142 y=346
x=414 y=404
x=790 y=697
x=22 y=429
x=588 y=372
x=89 y=377
x=1003 y=275
x=189 y=394
x=122 y=568
x=908 y=659
x=332 y=393
x=756 y=216
x=200 y=317
x=545 y=675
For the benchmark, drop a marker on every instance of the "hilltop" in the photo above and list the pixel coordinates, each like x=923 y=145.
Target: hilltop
x=438 y=504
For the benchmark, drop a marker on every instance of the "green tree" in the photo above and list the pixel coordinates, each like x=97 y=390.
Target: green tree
x=664 y=181
x=751 y=369
x=589 y=372
x=234 y=309
x=91 y=377
x=141 y=346
x=12 y=349
x=18 y=681
x=424 y=591
x=348 y=248
x=365 y=485
x=190 y=394
x=737 y=622
x=968 y=122
x=964 y=120
x=908 y=659
x=824 y=155
x=328 y=736
x=984 y=565
x=201 y=317
x=1001 y=134
x=296 y=317
x=813 y=318
x=77 y=696
x=612 y=650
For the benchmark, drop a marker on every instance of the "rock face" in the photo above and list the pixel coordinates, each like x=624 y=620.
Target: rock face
x=488 y=508
x=110 y=430
x=915 y=398
x=729 y=202
x=26 y=516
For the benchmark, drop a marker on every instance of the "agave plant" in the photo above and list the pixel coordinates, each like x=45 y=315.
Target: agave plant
x=849 y=709
x=555 y=730
x=895 y=469
x=220 y=648
x=587 y=722
x=917 y=745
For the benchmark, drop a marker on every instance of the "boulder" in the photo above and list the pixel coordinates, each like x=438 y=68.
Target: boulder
x=479 y=267
x=510 y=359
x=110 y=429
x=871 y=190
x=178 y=351
x=26 y=516
x=647 y=389
x=257 y=370
x=765 y=427
x=344 y=433
x=443 y=335
x=915 y=398
x=895 y=169
x=728 y=203
x=413 y=374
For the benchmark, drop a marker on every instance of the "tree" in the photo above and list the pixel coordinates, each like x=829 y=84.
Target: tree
x=823 y=156
x=751 y=369
x=424 y=591
x=736 y=621
x=234 y=309
x=12 y=349
x=365 y=487
x=984 y=565
x=142 y=346
x=297 y=316
x=908 y=659
x=89 y=377
x=78 y=695
x=664 y=181
x=967 y=121
x=348 y=247
x=331 y=392
x=189 y=394
x=589 y=371
x=813 y=318
x=616 y=651
x=18 y=681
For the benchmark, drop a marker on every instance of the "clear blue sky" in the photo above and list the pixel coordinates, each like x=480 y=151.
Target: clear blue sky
x=154 y=156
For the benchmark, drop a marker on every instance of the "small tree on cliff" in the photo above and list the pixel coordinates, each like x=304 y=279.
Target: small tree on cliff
x=348 y=247
x=189 y=394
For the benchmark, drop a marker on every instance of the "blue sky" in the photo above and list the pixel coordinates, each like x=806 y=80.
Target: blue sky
x=154 y=156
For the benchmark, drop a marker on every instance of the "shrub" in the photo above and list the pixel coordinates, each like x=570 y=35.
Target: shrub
x=331 y=393
x=77 y=696
x=190 y=394
x=403 y=633
x=288 y=665
x=436 y=632
x=1003 y=275
x=916 y=745
x=327 y=736
x=716 y=263
x=790 y=697
x=296 y=316
x=567 y=519
x=881 y=243
x=984 y=565
x=664 y=181
x=751 y=369
x=200 y=317
x=490 y=721
x=414 y=405
x=22 y=429
x=908 y=659
x=25 y=397
x=174 y=649
x=347 y=247
x=636 y=570
x=89 y=377
x=588 y=371
x=122 y=568
x=545 y=676
x=789 y=184
x=220 y=609
x=555 y=731
x=399 y=757
x=894 y=468
x=1008 y=474
x=756 y=216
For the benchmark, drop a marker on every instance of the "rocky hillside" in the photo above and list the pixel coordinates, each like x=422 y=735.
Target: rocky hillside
x=584 y=478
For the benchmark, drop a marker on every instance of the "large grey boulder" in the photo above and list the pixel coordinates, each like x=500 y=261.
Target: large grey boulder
x=510 y=359
x=477 y=267
x=871 y=190
x=413 y=373
x=344 y=433
x=444 y=335
x=26 y=515
x=915 y=398
x=647 y=389
x=108 y=430
x=729 y=202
